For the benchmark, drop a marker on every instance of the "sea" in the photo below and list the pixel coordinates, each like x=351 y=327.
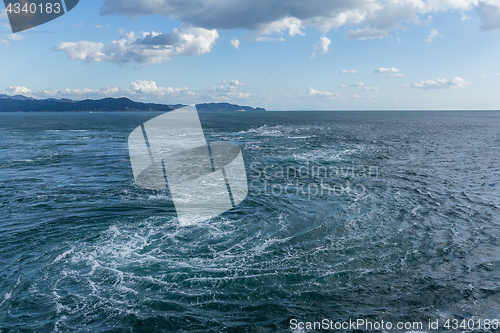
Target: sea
x=375 y=218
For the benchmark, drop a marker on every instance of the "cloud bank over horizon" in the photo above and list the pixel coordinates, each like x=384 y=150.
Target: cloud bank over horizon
x=142 y=90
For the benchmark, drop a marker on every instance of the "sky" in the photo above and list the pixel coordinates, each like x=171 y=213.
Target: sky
x=280 y=55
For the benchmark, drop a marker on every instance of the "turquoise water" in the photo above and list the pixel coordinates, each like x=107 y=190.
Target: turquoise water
x=388 y=216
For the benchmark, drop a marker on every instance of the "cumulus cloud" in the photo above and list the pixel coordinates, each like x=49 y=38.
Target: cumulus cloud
x=433 y=34
x=373 y=18
x=18 y=90
x=235 y=43
x=322 y=45
x=441 y=83
x=383 y=70
x=152 y=48
x=324 y=94
x=144 y=90
x=352 y=71
x=144 y=87
x=236 y=83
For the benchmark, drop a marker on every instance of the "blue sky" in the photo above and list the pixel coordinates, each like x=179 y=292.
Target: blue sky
x=281 y=55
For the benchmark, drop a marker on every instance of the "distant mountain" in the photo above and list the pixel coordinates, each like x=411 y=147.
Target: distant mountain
x=106 y=104
x=17 y=97
x=225 y=107
x=23 y=103
x=58 y=100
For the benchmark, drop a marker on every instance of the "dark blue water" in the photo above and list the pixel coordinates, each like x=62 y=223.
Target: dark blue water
x=390 y=216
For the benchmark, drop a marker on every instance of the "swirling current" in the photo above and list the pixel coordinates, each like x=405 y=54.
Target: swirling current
x=390 y=216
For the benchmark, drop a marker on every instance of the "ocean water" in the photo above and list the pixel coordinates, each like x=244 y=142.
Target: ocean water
x=390 y=216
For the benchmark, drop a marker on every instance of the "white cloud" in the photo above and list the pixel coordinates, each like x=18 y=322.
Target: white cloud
x=315 y=93
x=235 y=43
x=322 y=45
x=441 y=83
x=365 y=33
x=433 y=34
x=356 y=84
x=236 y=83
x=149 y=89
x=352 y=71
x=145 y=87
x=10 y=39
x=383 y=70
x=18 y=90
x=371 y=88
x=270 y=39
x=464 y=17
x=392 y=72
x=84 y=50
x=152 y=48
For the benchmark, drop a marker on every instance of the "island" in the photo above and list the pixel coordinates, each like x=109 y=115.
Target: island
x=20 y=103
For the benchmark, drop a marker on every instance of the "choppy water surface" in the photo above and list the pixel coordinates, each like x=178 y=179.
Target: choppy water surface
x=83 y=249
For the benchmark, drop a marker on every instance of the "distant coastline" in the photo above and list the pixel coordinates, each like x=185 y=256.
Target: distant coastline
x=20 y=103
